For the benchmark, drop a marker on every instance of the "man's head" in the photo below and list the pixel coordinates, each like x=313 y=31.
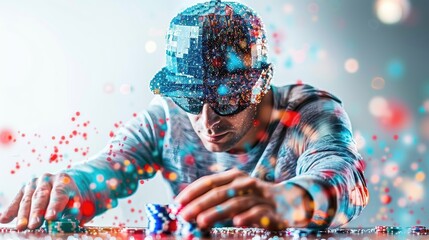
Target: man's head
x=217 y=70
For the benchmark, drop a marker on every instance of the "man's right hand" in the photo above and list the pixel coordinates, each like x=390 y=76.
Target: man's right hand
x=49 y=197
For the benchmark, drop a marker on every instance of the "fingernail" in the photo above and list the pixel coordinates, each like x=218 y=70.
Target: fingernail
x=22 y=221
x=51 y=213
x=34 y=221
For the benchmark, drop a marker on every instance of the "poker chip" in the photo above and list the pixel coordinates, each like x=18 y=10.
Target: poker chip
x=165 y=220
x=67 y=225
x=393 y=230
x=381 y=229
x=418 y=230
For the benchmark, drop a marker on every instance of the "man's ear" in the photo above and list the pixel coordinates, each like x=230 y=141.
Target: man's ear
x=262 y=86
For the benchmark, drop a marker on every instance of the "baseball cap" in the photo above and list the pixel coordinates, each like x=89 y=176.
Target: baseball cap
x=216 y=53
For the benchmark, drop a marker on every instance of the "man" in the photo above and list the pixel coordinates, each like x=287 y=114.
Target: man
x=231 y=145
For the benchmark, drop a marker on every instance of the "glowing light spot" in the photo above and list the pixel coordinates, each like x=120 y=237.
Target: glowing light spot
x=290 y=118
x=398 y=181
x=395 y=69
x=424 y=128
x=100 y=178
x=313 y=8
x=414 y=166
x=375 y=178
x=265 y=221
x=396 y=117
x=420 y=176
x=150 y=46
x=413 y=190
x=385 y=199
x=402 y=202
x=6 y=137
x=172 y=176
x=113 y=183
x=66 y=180
x=125 y=89
x=421 y=148
x=391 y=170
x=377 y=83
x=288 y=8
x=109 y=88
x=87 y=209
x=378 y=107
x=360 y=140
x=392 y=11
x=127 y=162
x=351 y=65
x=408 y=139
x=92 y=186
x=222 y=90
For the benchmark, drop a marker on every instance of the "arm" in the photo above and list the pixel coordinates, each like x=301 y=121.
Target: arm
x=134 y=153
x=329 y=167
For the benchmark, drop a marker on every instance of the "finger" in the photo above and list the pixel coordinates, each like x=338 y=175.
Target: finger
x=40 y=201
x=206 y=183
x=63 y=189
x=228 y=209
x=25 y=205
x=260 y=216
x=216 y=196
x=12 y=210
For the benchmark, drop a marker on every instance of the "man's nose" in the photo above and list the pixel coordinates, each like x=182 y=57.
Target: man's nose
x=209 y=117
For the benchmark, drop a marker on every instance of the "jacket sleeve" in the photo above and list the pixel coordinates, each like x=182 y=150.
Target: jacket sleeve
x=133 y=153
x=329 y=166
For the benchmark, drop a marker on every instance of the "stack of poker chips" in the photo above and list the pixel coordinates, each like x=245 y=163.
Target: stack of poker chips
x=160 y=220
x=418 y=230
x=66 y=225
x=387 y=229
x=165 y=219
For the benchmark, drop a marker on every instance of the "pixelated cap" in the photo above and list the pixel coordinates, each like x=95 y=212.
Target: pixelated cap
x=213 y=47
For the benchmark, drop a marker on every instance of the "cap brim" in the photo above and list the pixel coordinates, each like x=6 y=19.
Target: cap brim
x=169 y=84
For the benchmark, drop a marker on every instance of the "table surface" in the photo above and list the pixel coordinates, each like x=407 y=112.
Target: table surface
x=94 y=232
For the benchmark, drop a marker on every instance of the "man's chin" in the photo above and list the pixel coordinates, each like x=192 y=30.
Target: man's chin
x=216 y=147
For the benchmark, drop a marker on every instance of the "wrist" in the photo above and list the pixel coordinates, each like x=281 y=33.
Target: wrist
x=294 y=205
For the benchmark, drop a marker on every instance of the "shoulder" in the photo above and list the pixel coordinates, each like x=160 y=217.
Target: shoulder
x=293 y=97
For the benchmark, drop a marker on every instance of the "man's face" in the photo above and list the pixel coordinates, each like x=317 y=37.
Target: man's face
x=224 y=133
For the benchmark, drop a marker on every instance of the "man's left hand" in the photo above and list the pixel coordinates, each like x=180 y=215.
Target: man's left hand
x=230 y=195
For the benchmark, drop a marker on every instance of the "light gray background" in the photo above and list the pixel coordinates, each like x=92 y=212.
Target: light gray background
x=58 y=57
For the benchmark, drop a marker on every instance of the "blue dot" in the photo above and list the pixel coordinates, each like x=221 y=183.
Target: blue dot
x=395 y=69
x=289 y=62
x=369 y=150
x=230 y=193
x=313 y=52
x=222 y=90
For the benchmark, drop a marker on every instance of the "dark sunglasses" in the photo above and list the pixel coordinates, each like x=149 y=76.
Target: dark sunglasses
x=224 y=106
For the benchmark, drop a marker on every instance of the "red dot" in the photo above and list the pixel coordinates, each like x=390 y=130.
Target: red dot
x=395 y=136
x=88 y=209
x=385 y=199
x=78 y=114
x=6 y=137
x=290 y=118
x=374 y=137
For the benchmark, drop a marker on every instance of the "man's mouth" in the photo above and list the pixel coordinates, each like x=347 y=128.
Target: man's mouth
x=215 y=138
